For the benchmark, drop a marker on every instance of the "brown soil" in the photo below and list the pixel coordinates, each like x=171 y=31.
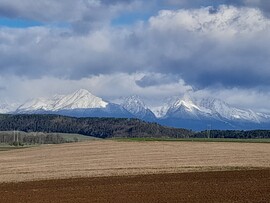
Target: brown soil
x=227 y=186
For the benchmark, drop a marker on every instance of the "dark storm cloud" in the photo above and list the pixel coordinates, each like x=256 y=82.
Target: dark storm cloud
x=57 y=10
x=235 y=2
x=153 y=79
x=2 y=88
x=49 y=10
x=191 y=4
x=264 y=5
x=82 y=15
x=116 y=1
x=8 y=11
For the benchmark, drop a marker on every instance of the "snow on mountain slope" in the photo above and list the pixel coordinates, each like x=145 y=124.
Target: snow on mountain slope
x=184 y=108
x=6 y=107
x=224 y=110
x=186 y=103
x=134 y=104
x=137 y=107
x=161 y=110
x=211 y=108
x=36 y=104
x=81 y=99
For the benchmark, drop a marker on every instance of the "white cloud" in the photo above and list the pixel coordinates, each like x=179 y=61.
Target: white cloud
x=225 y=21
x=109 y=87
x=251 y=98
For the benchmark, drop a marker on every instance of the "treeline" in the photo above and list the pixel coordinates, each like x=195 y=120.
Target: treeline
x=112 y=127
x=96 y=127
x=234 y=134
x=19 y=139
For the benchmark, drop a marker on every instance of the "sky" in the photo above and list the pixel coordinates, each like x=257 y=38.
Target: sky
x=154 y=49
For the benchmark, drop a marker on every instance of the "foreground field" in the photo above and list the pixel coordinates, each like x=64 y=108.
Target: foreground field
x=111 y=158
x=226 y=186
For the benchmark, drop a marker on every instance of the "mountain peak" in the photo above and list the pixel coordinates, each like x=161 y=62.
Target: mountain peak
x=82 y=92
x=134 y=100
x=135 y=105
x=186 y=102
x=81 y=99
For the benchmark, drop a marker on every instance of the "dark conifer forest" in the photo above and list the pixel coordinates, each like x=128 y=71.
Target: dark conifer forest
x=96 y=127
x=113 y=128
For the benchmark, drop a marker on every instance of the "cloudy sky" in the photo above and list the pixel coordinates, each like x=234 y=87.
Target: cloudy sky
x=153 y=48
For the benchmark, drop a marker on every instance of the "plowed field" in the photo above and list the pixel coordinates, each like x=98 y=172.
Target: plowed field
x=228 y=186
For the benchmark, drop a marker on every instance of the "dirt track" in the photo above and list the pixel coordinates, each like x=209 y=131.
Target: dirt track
x=228 y=186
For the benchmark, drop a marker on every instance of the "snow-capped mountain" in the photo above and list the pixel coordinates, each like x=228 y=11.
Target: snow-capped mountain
x=80 y=103
x=6 y=107
x=188 y=111
x=184 y=108
x=35 y=105
x=137 y=107
x=223 y=110
x=81 y=99
x=185 y=112
x=210 y=108
x=161 y=111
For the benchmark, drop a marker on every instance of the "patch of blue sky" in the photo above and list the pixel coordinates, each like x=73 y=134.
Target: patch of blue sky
x=130 y=18
x=18 y=23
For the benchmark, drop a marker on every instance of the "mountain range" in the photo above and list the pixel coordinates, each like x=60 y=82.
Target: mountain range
x=184 y=112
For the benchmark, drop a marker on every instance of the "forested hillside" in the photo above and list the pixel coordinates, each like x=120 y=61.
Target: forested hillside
x=97 y=127
x=113 y=127
x=237 y=134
